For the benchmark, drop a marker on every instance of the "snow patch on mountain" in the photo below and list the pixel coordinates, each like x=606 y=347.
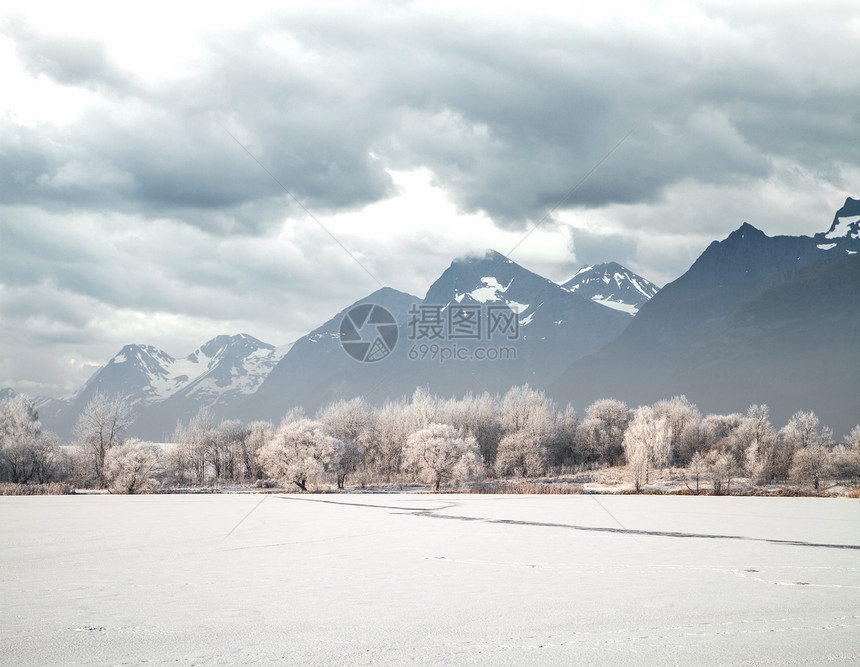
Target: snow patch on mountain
x=845 y=227
x=613 y=286
x=491 y=291
x=846 y=222
x=226 y=364
x=616 y=305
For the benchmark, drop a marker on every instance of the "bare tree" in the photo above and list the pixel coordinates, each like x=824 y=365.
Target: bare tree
x=438 y=453
x=100 y=427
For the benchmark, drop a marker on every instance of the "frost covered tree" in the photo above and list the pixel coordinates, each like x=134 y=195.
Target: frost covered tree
x=697 y=470
x=717 y=431
x=521 y=454
x=229 y=445
x=603 y=430
x=564 y=448
x=811 y=466
x=423 y=409
x=100 y=427
x=390 y=426
x=803 y=430
x=438 y=453
x=722 y=468
x=192 y=446
x=352 y=423
x=350 y=420
x=852 y=454
x=754 y=444
x=683 y=419
x=527 y=409
x=302 y=452
x=647 y=442
x=129 y=467
x=259 y=433
x=476 y=416
x=528 y=422
x=19 y=432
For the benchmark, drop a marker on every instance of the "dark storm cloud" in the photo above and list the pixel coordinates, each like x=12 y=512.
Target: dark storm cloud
x=507 y=119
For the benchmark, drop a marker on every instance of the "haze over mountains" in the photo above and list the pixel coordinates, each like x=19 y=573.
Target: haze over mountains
x=755 y=319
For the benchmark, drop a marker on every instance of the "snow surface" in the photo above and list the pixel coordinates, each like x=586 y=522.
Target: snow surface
x=397 y=579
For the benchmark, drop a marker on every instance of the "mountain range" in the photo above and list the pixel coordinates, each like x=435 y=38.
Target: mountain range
x=162 y=389
x=461 y=314
x=756 y=319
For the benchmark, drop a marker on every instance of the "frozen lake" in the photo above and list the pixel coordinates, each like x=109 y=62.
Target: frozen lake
x=395 y=579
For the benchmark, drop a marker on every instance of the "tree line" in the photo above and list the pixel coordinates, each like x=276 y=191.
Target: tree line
x=431 y=440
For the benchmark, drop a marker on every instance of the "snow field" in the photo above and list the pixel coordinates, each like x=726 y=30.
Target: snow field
x=427 y=579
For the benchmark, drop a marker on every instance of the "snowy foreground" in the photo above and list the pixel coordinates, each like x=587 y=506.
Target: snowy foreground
x=396 y=579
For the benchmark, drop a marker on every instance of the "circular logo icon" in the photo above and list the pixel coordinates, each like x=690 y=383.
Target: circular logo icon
x=368 y=332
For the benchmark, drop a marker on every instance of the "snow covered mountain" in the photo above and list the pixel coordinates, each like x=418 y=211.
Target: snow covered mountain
x=485 y=324
x=755 y=319
x=551 y=319
x=161 y=388
x=613 y=286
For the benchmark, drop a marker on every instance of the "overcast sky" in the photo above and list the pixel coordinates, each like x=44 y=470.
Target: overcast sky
x=414 y=132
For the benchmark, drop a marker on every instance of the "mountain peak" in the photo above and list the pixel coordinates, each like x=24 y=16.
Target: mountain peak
x=746 y=230
x=488 y=256
x=846 y=222
x=242 y=343
x=612 y=285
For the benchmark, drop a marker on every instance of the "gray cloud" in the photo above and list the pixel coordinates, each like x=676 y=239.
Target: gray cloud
x=145 y=203
x=506 y=119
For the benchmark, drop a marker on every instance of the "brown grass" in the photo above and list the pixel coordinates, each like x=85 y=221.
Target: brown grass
x=525 y=488
x=51 y=489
